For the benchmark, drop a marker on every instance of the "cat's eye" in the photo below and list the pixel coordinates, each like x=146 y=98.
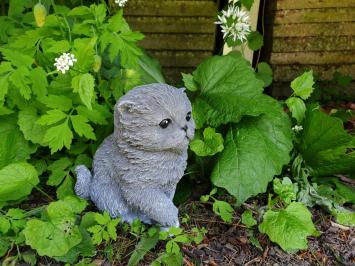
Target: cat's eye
x=188 y=116
x=164 y=123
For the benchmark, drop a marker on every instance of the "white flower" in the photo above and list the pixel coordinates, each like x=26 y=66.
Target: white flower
x=297 y=128
x=234 y=23
x=121 y=3
x=64 y=62
x=233 y=1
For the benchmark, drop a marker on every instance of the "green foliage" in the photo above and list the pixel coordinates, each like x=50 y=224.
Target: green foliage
x=211 y=144
x=105 y=229
x=248 y=219
x=303 y=85
x=285 y=189
x=289 y=227
x=264 y=73
x=255 y=40
x=219 y=207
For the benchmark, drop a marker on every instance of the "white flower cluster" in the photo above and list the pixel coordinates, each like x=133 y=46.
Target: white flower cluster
x=121 y=3
x=64 y=62
x=234 y=23
x=297 y=128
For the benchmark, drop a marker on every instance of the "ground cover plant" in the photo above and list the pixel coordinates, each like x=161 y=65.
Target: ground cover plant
x=63 y=66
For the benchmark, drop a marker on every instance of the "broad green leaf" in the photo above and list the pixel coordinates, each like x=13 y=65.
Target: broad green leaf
x=248 y=219
x=59 y=136
x=303 y=85
x=228 y=89
x=285 y=189
x=81 y=126
x=224 y=210
x=13 y=146
x=57 y=47
x=17 y=181
x=60 y=102
x=59 y=170
x=324 y=144
x=99 y=12
x=17 y=7
x=345 y=217
x=52 y=117
x=84 y=50
x=80 y=11
x=5 y=111
x=264 y=73
x=84 y=85
x=116 y=22
x=39 y=81
x=189 y=82
x=211 y=144
x=4 y=86
x=97 y=115
x=255 y=40
x=4 y=225
x=247 y=3
x=16 y=58
x=297 y=108
x=27 y=121
x=255 y=151
x=150 y=70
x=19 y=78
x=289 y=227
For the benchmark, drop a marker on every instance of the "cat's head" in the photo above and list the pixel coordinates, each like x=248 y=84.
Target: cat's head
x=155 y=117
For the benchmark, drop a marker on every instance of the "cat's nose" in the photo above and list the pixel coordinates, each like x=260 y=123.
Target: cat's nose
x=184 y=128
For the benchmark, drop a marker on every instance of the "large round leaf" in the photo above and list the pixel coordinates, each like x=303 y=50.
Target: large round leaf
x=17 y=181
x=255 y=151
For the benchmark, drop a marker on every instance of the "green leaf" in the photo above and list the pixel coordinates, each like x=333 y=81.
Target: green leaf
x=17 y=181
x=297 y=108
x=247 y=3
x=84 y=52
x=59 y=169
x=59 y=136
x=150 y=69
x=4 y=86
x=57 y=47
x=289 y=227
x=264 y=73
x=229 y=90
x=19 y=79
x=39 y=81
x=255 y=40
x=211 y=144
x=303 y=85
x=66 y=188
x=324 y=144
x=224 y=210
x=285 y=189
x=145 y=244
x=189 y=82
x=97 y=115
x=345 y=217
x=16 y=58
x=84 y=85
x=81 y=126
x=59 y=102
x=4 y=225
x=52 y=117
x=27 y=121
x=255 y=151
x=248 y=219
x=13 y=146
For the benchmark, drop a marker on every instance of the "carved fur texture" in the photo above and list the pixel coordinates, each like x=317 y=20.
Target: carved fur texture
x=136 y=169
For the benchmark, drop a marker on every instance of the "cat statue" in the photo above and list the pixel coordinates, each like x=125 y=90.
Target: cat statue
x=136 y=169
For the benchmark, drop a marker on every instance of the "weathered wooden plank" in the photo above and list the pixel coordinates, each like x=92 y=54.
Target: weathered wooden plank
x=180 y=58
x=313 y=29
x=173 y=75
x=178 y=42
x=172 y=24
x=171 y=8
x=296 y=44
x=316 y=58
x=286 y=73
x=298 y=16
x=302 y=4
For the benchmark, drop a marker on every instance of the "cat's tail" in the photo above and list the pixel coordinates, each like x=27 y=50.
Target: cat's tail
x=83 y=182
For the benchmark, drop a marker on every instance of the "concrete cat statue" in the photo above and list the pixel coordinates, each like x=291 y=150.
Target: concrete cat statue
x=136 y=169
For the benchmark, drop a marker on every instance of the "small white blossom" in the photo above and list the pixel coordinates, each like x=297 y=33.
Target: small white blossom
x=297 y=128
x=121 y=3
x=234 y=23
x=64 y=62
x=233 y=1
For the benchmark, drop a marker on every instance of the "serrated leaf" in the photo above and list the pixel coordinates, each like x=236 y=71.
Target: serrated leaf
x=66 y=188
x=297 y=108
x=255 y=40
x=150 y=70
x=229 y=90
x=16 y=58
x=84 y=52
x=17 y=181
x=189 y=82
x=27 y=121
x=224 y=210
x=303 y=85
x=39 y=81
x=59 y=136
x=4 y=87
x=248 y=219
x=84 y=85
x=59 y=102
x=345 y=217
x=289 y=227
x=19 y=78
x=285 y=189
x=97 y=115
x=52 y=117
x=4 y=225
x=211 y=144
x=13 y=146
x=81 y=126
x=58 y=46
x=255 y=151
x=264 y=73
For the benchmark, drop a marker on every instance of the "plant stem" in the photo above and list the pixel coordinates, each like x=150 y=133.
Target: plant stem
x=44 y=193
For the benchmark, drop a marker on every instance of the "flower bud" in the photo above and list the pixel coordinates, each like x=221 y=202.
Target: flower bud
x=97 y=63
x=40 y=13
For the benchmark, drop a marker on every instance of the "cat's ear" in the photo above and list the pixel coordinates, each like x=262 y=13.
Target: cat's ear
x=182 y=89
x=126 y=107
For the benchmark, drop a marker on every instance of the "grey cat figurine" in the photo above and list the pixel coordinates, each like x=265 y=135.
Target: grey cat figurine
x=136 y=169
